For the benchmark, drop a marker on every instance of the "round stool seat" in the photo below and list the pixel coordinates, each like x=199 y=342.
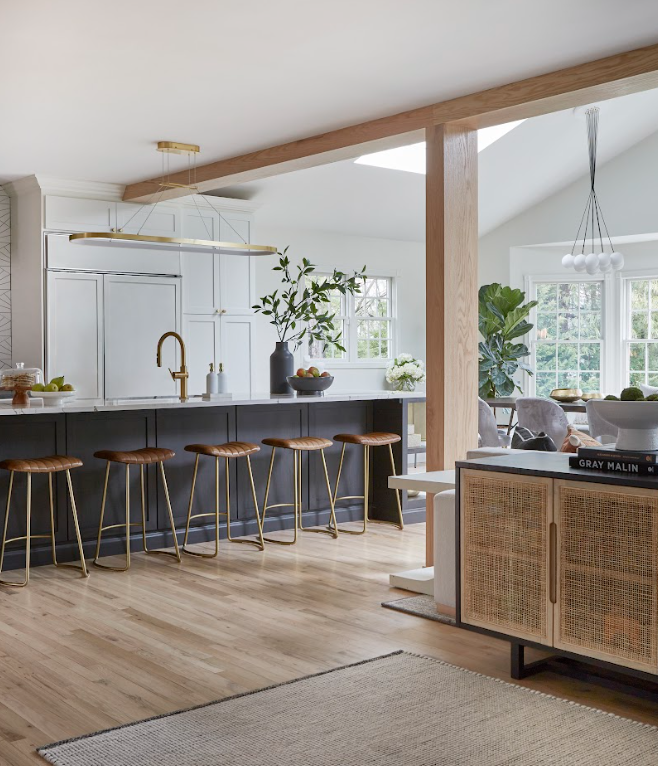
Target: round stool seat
x=229 y=449
x=301 y=443
x=141 y=456
x=373 y=439
x=50 y=464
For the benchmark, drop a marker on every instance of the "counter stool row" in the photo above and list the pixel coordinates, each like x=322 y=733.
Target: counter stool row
x=225 y=452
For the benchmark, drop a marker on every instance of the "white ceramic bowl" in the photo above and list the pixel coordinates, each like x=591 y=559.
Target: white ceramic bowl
x=53 y=398
x=637 y=422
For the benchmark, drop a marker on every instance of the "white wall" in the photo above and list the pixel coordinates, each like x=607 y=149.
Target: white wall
x=627 y=188
x=404 y=260
x=5 y=271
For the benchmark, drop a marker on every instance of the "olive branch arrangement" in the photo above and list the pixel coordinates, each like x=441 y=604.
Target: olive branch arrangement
x=300 y=308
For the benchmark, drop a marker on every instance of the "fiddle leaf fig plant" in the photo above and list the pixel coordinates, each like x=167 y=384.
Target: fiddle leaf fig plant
x=300 y=308
x=502 y=319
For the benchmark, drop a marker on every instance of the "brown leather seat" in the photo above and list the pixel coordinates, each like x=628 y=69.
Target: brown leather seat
x=229 y=449
x=136 y=456
x=50 y=464
x=300 y=443
x=373 y=439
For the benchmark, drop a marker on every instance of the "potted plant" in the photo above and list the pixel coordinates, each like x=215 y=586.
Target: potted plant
x=502 y=319
x=299 y=310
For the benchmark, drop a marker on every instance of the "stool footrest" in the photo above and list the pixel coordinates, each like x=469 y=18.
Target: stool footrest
x=25 y=537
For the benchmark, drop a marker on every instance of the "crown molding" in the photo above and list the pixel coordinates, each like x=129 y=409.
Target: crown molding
x=64 y=187
x=222 y=203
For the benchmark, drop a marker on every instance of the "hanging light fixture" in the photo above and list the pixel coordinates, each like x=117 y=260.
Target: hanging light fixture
x=593 y=221
x=137 y=239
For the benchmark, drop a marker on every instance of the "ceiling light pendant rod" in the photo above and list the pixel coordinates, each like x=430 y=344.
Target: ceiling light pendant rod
x=592 y=218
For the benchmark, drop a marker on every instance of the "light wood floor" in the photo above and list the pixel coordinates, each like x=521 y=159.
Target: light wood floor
x=80 y=655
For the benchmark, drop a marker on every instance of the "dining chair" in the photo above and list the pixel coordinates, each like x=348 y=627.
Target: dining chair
x=488 y=431
x=599 y=428
x=538 y=414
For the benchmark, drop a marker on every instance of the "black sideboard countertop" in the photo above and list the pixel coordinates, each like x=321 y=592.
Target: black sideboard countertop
x=555 y=465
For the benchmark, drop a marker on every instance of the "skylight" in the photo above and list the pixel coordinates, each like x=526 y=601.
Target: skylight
x=412 y=158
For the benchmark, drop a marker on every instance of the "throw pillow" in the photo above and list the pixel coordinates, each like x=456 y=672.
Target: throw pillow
x=524 y=438
x=575 y=439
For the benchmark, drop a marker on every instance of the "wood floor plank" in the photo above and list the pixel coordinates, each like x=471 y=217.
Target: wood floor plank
x=80 y=655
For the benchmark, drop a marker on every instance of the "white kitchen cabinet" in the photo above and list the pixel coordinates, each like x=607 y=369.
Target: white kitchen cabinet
x=74 y=214
x=138 y=310
x=201 y=335
x=200 y=222
x=201 y=274
x=236 y=341
x=236 y=272
x=222 y=339
x=159 y=220
x=74 y=338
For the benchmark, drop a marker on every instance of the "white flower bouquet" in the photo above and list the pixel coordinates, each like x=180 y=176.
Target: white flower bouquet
x=405 y=372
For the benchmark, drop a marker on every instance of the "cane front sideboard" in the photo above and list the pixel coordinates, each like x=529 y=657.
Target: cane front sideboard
x=561 y=559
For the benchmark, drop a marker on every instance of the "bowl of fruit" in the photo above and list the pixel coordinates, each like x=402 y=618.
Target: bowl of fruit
x=53 y=393
x=310 y=382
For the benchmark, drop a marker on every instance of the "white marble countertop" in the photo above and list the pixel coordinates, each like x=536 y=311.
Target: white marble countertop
x=115 y=405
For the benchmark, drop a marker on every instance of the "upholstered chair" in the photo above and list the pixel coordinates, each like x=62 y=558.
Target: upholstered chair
x=488 y=431
x=538 y=414
x=599 y=428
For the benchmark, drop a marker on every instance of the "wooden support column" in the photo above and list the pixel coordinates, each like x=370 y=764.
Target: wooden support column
x=452 y=294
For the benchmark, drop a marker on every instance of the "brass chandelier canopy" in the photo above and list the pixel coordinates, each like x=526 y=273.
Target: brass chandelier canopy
x=138 y=239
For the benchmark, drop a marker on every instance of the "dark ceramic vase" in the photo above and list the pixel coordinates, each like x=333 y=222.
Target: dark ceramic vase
x=282 y=365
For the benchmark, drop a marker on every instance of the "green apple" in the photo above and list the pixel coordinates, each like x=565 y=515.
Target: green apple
x=67 y=387
x=314 y=372
x=51 y=388
x=300 y=373
x=37 y=387
x=309 y=375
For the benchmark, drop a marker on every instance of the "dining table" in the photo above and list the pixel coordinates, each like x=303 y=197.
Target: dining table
x=509 y=403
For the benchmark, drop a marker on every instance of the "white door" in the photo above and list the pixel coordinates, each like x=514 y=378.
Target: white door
x=235 y=353
x=74 y=338
x=201 y=335
x=155 y=220
x=236 y=275
x=200 y=282
x=200 y=222
x=73 y=214
x=138 y=310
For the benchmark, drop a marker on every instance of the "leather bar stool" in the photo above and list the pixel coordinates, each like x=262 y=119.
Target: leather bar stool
x=298 y=446
x=48 y=465
x=228 y=451
x=368 y=441
x=140 y=457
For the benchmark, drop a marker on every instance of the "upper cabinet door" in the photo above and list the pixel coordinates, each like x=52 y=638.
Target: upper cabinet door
x=236 y=277
x=154 y=220
x=200 y=282
x=72 y=214
x=74 y=340
x=200 y=223
x=138 y=310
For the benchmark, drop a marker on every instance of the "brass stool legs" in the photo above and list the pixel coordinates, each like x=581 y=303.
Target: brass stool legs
x=128 y=524
x=399 y=524
x=217 y=513
x=28 y=537
x=297 y=499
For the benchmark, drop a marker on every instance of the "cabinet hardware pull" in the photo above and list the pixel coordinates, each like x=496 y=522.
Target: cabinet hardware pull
x=552 y=582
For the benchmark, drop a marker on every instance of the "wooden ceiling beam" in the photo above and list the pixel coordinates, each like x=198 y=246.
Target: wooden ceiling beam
x=610 y=77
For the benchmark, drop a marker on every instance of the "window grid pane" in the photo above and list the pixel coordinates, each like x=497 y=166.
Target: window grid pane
x=567 y=346
x=642 y=332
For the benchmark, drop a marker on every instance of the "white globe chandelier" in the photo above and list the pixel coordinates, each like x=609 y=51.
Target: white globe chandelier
x=593 y=222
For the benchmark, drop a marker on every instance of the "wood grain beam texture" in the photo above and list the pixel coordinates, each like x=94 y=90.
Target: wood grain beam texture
x=452 y=289
x=598 y=80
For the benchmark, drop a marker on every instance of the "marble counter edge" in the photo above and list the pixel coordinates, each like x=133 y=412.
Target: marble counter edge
x=256 y=399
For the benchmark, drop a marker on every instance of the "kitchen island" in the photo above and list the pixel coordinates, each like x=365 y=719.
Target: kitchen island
x=83 y=427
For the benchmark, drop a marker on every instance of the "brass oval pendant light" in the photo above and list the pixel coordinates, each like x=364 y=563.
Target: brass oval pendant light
x=167 y=243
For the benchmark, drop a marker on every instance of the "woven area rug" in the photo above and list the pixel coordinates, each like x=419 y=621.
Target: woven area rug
x=421 y=606
x=397 y=710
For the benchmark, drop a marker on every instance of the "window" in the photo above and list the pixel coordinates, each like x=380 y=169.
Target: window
x=366 y=320
x=567 y=349
x=642 y=331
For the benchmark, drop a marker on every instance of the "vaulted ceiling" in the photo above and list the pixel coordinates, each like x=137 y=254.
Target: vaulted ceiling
x=88 y=87
x=528 y=164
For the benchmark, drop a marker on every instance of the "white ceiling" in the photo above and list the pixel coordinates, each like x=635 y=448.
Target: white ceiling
x=88 y=86
x=528 y=164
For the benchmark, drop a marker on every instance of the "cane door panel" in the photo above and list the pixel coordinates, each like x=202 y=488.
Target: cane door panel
x=505 y=553
x=607 y=573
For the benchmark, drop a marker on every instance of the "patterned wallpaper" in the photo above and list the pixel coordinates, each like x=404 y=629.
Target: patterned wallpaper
x=5 y=282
